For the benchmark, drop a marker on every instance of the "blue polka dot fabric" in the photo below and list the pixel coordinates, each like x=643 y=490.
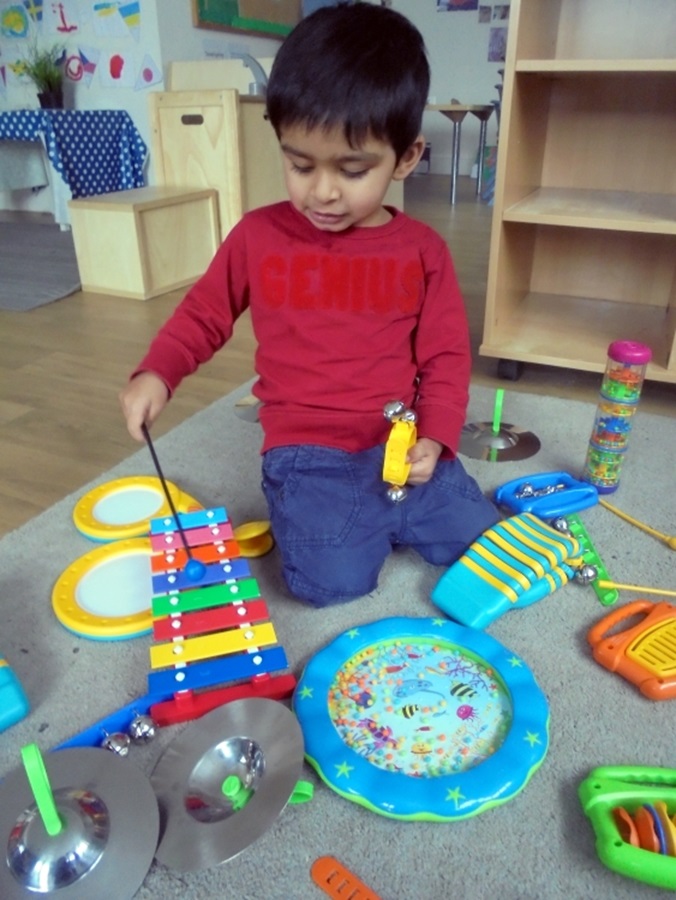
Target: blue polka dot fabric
x=94 y=151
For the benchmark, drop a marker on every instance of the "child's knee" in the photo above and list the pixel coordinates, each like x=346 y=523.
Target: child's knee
x=326 y=581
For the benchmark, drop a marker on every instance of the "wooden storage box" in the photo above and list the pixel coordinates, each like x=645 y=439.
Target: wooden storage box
x=220 y=140
x=144 y=242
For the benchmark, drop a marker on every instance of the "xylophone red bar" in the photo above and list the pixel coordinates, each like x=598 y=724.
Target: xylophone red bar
x=206 y=553
x=215 y=619
x=188 y=706
x=208 y=534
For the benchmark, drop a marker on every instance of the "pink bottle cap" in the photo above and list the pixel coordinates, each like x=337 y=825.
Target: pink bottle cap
x=630 y=353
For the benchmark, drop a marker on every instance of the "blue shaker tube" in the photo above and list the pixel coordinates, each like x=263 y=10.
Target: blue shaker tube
x=13 y=702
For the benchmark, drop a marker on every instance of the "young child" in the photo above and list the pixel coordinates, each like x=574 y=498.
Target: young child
x=353 y=305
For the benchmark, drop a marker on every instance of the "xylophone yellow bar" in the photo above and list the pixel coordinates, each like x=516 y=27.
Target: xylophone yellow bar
x=210 y=645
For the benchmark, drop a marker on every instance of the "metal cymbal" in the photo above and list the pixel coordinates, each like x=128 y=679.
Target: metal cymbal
x=478 y=440
x=256 y=741
x=110 y=829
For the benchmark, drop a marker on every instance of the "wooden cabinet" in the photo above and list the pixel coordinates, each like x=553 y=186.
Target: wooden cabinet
x=583 y=241
x=218 y=139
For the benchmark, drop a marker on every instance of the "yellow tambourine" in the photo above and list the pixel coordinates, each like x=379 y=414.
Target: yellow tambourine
x=254 y=538
x=403 y=436
x=106 y=594
x=123 y=508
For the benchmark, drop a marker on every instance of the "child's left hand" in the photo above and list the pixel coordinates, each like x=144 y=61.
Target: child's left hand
x=423 y=457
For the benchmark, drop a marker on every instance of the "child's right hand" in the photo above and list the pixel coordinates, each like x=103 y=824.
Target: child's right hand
x=142 y=400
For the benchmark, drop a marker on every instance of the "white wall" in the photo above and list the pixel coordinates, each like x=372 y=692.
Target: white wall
x=457 y=45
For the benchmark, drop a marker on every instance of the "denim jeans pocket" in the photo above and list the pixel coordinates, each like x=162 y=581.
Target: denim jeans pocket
x=313 y=495
x=451 y=480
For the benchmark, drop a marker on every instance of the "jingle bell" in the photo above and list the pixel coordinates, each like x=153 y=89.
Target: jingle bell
x=118 y=742
x=393 y=410
x=142 y=729
x=396 y=493
x=561 y=524
x=586 y=574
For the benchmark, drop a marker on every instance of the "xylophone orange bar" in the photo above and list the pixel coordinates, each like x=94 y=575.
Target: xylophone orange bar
x=206 y=553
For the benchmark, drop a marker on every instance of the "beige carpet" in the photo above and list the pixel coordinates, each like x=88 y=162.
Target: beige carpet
x=539 y=845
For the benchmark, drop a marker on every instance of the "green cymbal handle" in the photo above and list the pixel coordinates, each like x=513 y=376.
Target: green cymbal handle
x=41 y=788
x=303 y=791
x=497 y=410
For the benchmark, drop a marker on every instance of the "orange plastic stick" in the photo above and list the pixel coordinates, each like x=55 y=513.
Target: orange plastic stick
x=338 y=882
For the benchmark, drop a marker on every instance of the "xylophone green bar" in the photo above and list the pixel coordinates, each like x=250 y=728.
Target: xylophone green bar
x=203 y=598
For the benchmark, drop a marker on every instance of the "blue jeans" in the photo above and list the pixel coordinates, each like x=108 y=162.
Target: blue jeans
x=335 y=525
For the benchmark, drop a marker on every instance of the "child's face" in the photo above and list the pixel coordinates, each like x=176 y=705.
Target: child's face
x=336 y=186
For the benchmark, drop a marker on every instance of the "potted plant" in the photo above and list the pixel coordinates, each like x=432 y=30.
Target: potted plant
x=45 y=70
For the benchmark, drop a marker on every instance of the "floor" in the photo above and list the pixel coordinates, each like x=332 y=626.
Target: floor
x=62 y=366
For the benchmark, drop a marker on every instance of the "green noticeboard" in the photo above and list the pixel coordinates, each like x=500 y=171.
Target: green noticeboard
x=272 y=18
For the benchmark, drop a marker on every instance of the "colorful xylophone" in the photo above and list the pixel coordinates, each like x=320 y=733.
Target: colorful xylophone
x=213 y=640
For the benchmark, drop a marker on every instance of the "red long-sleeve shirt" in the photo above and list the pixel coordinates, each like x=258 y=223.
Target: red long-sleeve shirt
x=344 y=323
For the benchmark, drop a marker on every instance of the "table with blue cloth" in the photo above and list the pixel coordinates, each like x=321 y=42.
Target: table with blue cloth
x=89 y=151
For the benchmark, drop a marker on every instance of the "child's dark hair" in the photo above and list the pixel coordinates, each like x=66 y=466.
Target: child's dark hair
x=360 y=67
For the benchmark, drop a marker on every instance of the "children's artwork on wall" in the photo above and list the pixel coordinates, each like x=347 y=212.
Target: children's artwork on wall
x=34 y=9
x=62 y=18
x=117 y=70
x=96 y=37
x=14 y=72
x=497 y=45
x=14 y=21
x=131 y=16
x=81 y=65
x=107 y=19
x=501 y=12
x=457 y=5
x=149 y=74
x=485 y=14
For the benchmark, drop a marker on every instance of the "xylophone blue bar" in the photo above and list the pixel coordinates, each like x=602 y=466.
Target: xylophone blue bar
x=218 y=670
x=195 y=519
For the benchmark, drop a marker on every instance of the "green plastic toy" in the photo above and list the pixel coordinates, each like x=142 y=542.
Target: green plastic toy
x=630 y=788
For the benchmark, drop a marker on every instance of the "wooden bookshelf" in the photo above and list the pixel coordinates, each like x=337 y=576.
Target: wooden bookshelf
x=583 y=241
